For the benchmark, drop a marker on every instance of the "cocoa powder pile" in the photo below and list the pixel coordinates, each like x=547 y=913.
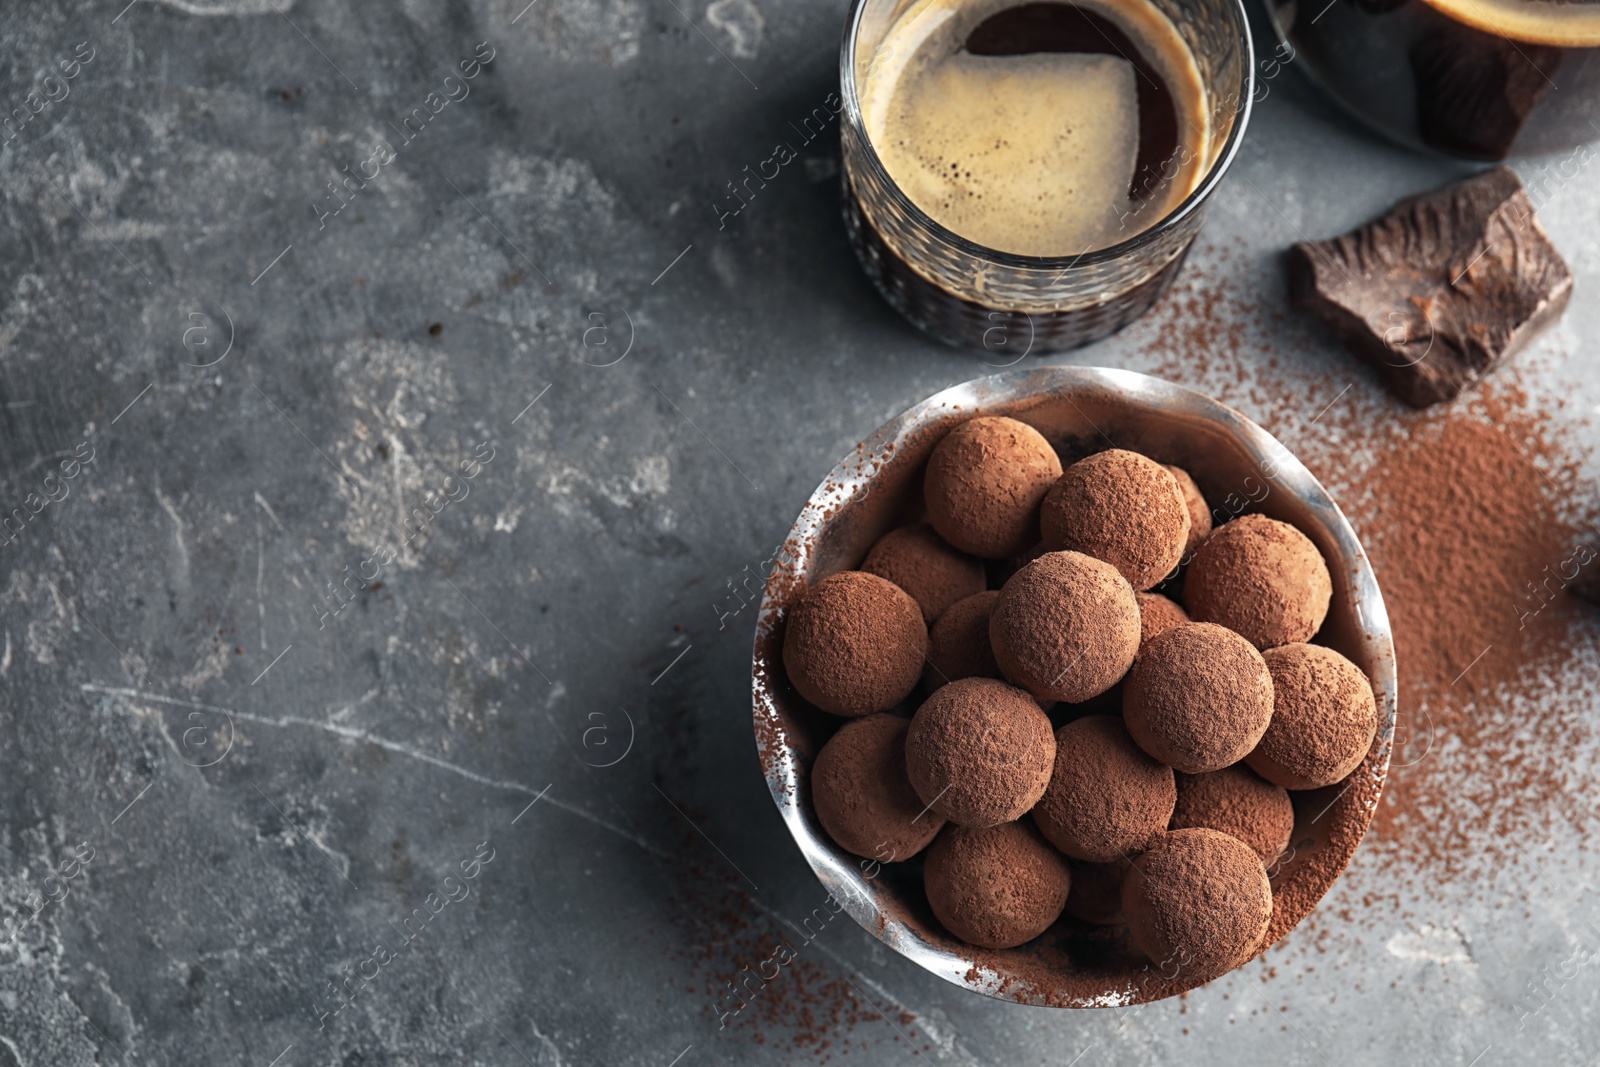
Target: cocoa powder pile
x=1464 y=517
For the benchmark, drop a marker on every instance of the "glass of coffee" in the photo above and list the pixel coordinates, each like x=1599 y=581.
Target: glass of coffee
x=1479 y=79
x=1029 y=176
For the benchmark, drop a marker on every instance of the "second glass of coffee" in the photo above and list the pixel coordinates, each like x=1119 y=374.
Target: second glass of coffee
x=1029 y=177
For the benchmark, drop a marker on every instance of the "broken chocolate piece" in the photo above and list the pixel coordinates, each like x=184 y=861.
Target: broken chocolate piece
x=1439 y=291
x=1475 y=90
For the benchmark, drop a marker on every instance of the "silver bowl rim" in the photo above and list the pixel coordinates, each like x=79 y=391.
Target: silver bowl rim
x=841 y=874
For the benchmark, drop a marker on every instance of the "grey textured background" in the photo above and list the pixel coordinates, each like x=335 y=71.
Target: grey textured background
x=577 y=606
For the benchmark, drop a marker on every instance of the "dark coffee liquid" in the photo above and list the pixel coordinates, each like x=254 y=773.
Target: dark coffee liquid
x=1036 y=28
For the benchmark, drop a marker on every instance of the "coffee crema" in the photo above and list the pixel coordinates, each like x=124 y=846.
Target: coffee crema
x=1563 y=23
x=1040 y=129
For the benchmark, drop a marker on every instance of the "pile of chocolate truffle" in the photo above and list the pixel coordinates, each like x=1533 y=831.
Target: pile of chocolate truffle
x=1082 y=744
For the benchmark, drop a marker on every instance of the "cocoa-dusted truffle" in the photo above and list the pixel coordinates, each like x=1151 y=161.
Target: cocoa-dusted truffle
x=1106 y=797
x=984 y=483
x=1261 y=578
x=862 y=795
x=1323 y=718
x=1199 y=510
x=1199 y=698
x=996 y=887
x=918 y=561
x=1123 y=508
x=1096 y=895
x=1199 y=901
x=958 y=644
x=980 y=752
x=1066 y=627
x=1156 y=614
x=855 y=644
x=1237 y=802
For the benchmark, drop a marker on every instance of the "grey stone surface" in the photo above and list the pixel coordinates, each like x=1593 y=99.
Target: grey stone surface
x=242 y=792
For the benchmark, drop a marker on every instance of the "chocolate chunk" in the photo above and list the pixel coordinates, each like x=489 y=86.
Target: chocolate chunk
x=1475 y=90
x=1439 y=291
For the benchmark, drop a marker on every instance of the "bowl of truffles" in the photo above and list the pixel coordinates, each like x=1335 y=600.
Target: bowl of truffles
x=1074 y=687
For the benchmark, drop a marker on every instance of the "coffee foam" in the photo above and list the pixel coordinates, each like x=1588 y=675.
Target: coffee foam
x=1563 y=23
x=1030 y=154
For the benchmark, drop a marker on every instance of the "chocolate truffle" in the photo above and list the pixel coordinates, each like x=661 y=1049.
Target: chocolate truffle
x=1237 y=802
x=1157 y=613
x=958 y=644
x=1066 y=627
x=1323 y=718
x=862 y=795
x=980 y=752
x=996 y=887
x=984 y=483
x=1261 y=578
x=1106 y=798
x=1096 y=895
x=1199 y=901
x=918 y=561
x=1123 y=508
x=1199 y=510
x=1199 y=698
x=855 y=644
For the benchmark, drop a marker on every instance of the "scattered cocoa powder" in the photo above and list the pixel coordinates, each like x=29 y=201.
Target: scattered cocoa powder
x=1120 y=507
x=1465 y=513
x=920 y=562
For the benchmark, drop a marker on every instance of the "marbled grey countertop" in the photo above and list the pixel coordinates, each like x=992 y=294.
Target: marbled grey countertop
x=220 y=794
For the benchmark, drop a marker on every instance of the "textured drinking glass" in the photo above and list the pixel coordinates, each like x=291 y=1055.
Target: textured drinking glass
x=962 y=293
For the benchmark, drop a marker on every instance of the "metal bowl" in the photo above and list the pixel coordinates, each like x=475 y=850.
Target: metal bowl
x=1081 y=410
